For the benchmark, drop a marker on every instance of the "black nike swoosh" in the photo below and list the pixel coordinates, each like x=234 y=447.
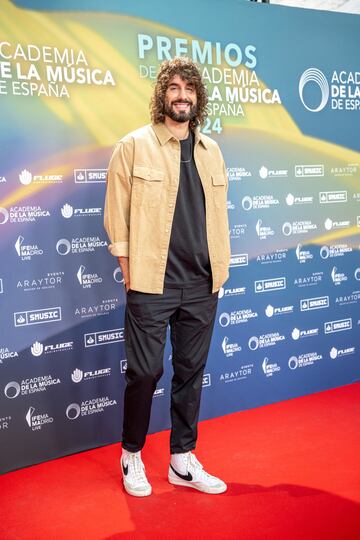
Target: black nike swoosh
x=187 y=476
x=125 y=469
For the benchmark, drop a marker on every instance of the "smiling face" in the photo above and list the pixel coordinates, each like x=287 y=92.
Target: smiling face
x=180 y=100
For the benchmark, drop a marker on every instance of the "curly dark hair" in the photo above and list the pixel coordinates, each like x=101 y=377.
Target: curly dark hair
x=187 y=71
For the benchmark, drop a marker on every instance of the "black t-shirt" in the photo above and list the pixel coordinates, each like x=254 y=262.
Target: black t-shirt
x=188 y=261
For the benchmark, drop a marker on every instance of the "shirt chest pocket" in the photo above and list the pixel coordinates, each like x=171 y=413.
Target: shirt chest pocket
x=147 y=186
x=218 y=189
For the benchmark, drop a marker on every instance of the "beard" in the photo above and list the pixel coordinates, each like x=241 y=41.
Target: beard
x=181 y=116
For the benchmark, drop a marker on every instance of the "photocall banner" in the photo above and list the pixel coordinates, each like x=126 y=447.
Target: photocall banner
x=284 y=102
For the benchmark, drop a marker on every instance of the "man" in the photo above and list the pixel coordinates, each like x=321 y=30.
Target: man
x=166 y=217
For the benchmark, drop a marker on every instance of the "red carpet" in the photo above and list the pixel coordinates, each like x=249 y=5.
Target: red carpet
x=293 y=471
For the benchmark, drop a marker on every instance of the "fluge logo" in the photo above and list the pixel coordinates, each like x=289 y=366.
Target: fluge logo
x=25 y=177
x=316 y=76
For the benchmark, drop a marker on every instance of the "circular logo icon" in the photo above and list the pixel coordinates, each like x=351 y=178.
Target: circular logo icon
x=293 y=362
x=287 y=228
x=12 y=390
x=333 y=353
x=357 y=274
x=324 y=252
x=224 y=320
x=246 y=203
x=117 y=274
x=269 y=311
x=73 y=411
x=315 y=76
x=4 y=215
x=63 y=246
x=253 y=343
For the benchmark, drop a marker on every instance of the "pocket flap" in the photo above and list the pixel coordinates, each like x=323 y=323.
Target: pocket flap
x=218 y=179
x=146 y=173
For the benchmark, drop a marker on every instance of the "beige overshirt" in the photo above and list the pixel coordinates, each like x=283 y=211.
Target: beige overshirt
x=142 y=185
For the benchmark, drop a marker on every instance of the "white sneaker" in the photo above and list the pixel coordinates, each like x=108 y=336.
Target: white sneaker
x=134 y=477
x=185 y=470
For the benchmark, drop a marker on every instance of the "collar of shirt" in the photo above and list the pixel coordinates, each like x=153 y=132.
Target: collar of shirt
x=164 y=135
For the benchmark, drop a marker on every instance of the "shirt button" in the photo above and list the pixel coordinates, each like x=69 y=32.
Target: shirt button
x=163 y=256
x=166 y=230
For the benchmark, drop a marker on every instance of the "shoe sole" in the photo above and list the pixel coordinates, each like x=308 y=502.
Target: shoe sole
x=129 y=491
x=209 y=490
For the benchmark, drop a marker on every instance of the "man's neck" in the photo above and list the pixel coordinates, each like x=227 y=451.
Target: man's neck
x=180 y=130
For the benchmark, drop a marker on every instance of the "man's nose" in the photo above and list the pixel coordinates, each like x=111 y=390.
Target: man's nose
x=182 y=94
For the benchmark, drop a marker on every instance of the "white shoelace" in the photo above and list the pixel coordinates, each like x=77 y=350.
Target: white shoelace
x=137 y=467
x=192 y=460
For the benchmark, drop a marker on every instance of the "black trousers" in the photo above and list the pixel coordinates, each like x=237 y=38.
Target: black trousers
x=190 y=314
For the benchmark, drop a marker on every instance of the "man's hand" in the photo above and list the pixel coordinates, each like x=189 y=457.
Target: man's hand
x=124 y=265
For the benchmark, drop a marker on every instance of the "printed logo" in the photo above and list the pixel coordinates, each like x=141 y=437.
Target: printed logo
x=303 y=255
x=96 y=310
x=89 y=406
x=49 y=281
x=298 y=227
x=37 y=316
x=4 y=215
x=67 y=211
x=236 y=291
x=6 y=353
x=26 y=252
x=291 y=199
x=345 y=170
x=159 y=392
x=309 y=281
x=87 y=280
x=339 y=353
x=22 y=214
x=123 y=366
x=237 y=317
x=117 y=275
x=236 y=174
x=351 y=298
x=304 y=360
x=330 y=225
x=237 y=375
x=269 y=368
x=4 y=420
x=206 y=380
x=357 y=274
x=263 y=231
x=329 y=197
x=258 y=202
x=238 y=230
x=336 y=250
x=240 y=259
x=37 y=421
x=1 y=286
x=95 y=339
x=228 y=348
x=266 y=285
x=309 y=171
x=37 y=348
x=78 y=375
x=90 y=176
x=338 y=326
x=30 y=386
x=264 y=173
x=308 y=304
x=265 y=340
x=337 y=277
x=85 y=244
x=274 y=257
x=300 y=334
x=26 y=178
x=271 y=311
x=314 y=75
